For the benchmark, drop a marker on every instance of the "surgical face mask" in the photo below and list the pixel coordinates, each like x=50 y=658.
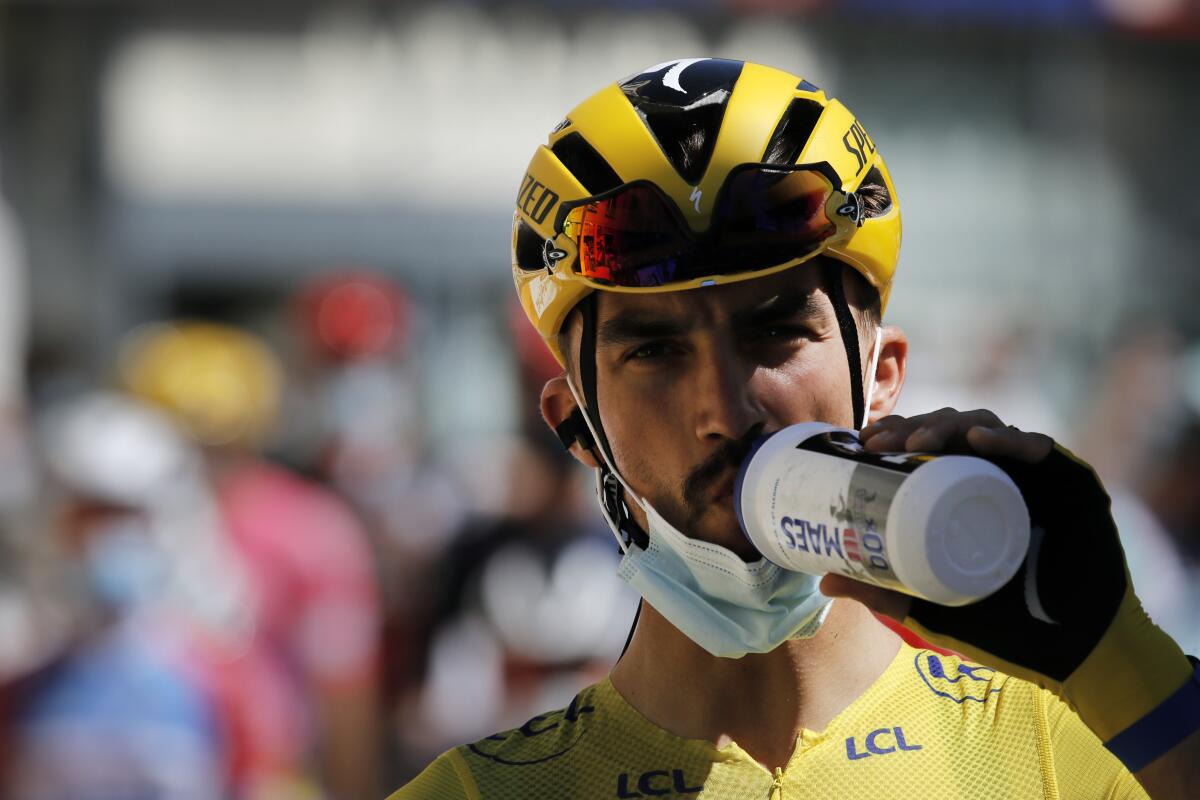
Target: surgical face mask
x=728 y=607
x=124 y=568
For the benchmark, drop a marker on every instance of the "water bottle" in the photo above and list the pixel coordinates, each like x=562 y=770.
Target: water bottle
x=951 y=529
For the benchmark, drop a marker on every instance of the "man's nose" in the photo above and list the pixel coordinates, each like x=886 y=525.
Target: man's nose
x=726 y=403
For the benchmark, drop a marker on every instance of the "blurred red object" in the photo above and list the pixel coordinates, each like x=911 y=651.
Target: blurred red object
x=353 y=314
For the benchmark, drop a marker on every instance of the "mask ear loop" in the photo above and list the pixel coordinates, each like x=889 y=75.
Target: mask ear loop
x=871 y=378
x=611 y=489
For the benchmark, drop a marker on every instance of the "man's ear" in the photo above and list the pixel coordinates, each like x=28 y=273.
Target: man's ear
x=889 y=372
x=557 y=404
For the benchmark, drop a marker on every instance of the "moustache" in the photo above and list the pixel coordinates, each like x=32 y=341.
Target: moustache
x=729 y=456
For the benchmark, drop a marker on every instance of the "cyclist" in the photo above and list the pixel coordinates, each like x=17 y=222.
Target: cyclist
x=708 y=247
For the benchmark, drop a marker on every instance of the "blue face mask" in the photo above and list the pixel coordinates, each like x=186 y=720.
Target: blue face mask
x=728 y=607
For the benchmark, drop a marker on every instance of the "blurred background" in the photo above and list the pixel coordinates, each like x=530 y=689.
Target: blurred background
x=277 y=514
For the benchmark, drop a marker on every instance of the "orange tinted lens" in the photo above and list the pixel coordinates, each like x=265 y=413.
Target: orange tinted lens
x=765 y=207
x=629 y=239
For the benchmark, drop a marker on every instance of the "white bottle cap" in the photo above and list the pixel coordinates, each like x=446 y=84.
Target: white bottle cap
x=974 y=525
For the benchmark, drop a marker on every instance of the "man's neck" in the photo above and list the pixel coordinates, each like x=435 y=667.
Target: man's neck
x=761 y=701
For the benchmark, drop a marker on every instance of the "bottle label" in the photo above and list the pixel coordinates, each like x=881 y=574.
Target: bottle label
x=830 y=511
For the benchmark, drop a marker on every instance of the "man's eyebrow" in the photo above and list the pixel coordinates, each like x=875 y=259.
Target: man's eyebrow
x=637 y=326
x=783 y=306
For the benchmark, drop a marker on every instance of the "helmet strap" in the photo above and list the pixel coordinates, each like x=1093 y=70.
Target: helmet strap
x=587 y=374
x=610 y=487
x=832 y=273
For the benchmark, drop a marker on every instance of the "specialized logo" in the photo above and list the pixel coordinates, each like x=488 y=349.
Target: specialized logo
x=655 y=783
x=524 y=746
x=536 y=199
x=862 y=145
x=695 y=198
x=969 y=681
x=879 y=742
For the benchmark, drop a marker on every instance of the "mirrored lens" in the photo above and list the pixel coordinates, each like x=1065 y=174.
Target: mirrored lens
x=765 y=217
x=629 y=239
x=764 y=207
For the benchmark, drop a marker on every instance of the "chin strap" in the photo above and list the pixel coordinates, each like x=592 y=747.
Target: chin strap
x=583 y=426
x=832 y=273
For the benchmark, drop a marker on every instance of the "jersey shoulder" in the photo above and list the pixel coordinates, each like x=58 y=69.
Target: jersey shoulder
x=946 y=680
x=549 y=750
x=544 y=739
x=977 y=713
x=446 y=778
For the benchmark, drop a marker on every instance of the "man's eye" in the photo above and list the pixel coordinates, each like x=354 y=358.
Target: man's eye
x=780 y=333
x=648 y=351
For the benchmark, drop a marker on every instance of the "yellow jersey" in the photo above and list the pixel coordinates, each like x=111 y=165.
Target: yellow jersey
x=931 y=726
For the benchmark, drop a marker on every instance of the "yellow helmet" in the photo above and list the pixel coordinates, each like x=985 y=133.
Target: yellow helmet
x=708 y=143
x=222 y=384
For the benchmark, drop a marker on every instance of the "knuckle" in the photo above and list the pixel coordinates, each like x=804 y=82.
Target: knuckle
x=946 y=415
x=984 y=416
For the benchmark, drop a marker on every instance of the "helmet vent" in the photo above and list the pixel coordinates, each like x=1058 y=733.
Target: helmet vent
x=792 y=133
x=876 y=198
x=528 y=248
x=588 y=166
x=683 y=103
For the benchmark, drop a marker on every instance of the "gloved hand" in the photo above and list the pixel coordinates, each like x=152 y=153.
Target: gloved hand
x=1069 y=620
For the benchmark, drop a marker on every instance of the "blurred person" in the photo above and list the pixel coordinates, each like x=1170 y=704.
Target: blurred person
x=1170 y=488
x=17 y=488
x=526 y=593
x=523 y=618
x=30 y=627
x=1132 y=431
x=369 y=441
x=308 y=561
x=123 y=709
x=708 y=246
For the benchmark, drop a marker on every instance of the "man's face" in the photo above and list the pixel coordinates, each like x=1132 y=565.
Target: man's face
x=687 y=380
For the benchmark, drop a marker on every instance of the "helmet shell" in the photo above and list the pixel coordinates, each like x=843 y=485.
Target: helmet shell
x=646 y=128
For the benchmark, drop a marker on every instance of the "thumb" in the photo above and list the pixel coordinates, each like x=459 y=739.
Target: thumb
x=880 y=600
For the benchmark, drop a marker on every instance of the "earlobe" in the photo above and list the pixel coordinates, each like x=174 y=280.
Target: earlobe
x=889 y=372
x=557 y=404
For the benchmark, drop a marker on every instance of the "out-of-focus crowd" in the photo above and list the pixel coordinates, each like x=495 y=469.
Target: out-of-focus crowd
x=238 y=567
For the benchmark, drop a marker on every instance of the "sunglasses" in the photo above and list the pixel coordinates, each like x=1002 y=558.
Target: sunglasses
x=765 y=216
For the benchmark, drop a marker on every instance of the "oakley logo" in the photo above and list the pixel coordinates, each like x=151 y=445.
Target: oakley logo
x=670 y=78
x=852 y=208
x=695 y=198
x=551 y=255
x=655 y=783
x=880 y=742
